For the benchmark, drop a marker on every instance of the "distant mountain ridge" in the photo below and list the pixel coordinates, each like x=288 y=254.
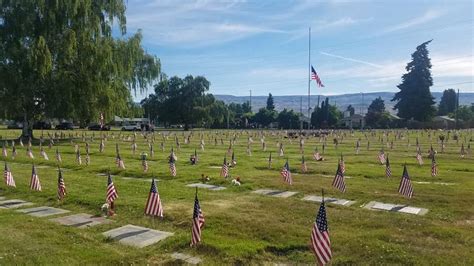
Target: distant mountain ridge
x=359 y=101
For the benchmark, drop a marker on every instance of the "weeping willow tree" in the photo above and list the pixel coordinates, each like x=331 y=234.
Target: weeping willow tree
x=60 y=59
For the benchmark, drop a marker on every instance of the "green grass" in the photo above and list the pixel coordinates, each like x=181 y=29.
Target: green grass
x=243 y=227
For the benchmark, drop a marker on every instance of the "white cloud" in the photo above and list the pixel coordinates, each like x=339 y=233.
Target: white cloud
x=352 y=60
x=426 y=17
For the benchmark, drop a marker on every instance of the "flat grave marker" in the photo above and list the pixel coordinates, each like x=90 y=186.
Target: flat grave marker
x=81 y=220
x=42 y=211
x=136 y=236
x=206 y=186
x=275 y=193
x=186 y=258
x=374 y=205
x=14 y=203
x=336 y=201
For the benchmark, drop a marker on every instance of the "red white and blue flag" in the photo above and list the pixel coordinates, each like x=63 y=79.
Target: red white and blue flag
x=315 y=76
x=320 y=242
x=198 y=222
x=405 y=188
x=153 y=205
x=111 y=191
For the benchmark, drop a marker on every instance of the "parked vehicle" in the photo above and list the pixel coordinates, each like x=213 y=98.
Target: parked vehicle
x=42 y=125
x=65 y=126
x=147 y=127
x=15 y=125
x=98 y=127
x=131 y=127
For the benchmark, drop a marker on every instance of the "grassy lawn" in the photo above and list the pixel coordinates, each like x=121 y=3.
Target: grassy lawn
x=244 y=227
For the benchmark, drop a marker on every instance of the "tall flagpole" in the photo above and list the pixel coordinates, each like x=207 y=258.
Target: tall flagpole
x=309 y=77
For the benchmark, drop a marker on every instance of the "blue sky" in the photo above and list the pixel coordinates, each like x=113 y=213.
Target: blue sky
x=357 y=46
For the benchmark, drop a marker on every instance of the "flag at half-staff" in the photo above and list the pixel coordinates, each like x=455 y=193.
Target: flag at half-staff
x=153 y=205
x=35 y=181
x=225 y=168
x=61 y=185
x=339 y=181
x=315 y=76
x=434 y=166
x=198 y=222
x=172 y=164
x=58 y=156
x=304 y=167
x=405 y=188
x=388 y=170
x=286 y=173
x=8 y=176
x=320 y=243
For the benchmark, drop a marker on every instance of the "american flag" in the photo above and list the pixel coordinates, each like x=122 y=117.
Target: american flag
x=388 y=171
x=35 y=182
x=43 y=153
x=101 y=146
x=88 y=158
x=29 y=153
x=111 y=191
x=4 y=150
x=338 y=181
x=78 y=157
x=225 y=168
x=7 y=174
x=61 y=185
x=286 y=173
x=101 y=119
x=434 y=166
x=315 y=76
x=153 y=204
x=342 y=164
x=198 y=223
x=320 y=243
x=233 y=161
x=405 y=187
x=119 y=162
x=58 y=156
x=304 y=167
x=145 y=165
x=381 y=157
x=419 y=158
x=172 y=163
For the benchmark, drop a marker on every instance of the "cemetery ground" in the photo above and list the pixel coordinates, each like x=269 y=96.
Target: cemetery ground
x=243 y=227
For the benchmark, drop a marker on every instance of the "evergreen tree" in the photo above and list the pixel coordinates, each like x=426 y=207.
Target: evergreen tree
x=448 y=102
x=350 y=109
x=270 y=104
x=414 y=100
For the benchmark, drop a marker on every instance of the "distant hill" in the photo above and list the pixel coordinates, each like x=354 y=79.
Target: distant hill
x=342 y=101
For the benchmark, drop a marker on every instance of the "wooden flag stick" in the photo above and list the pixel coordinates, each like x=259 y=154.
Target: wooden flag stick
x=322 y=194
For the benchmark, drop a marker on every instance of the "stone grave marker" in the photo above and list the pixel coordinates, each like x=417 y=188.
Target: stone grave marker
x=136 y=236
x=81 y=220
x=42 y=211
x=374 y=205
x=336 y=201
x=14 y=203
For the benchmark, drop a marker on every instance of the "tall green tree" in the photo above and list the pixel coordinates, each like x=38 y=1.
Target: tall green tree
x=183 y=101
x=350 y=109
x=325 y=116
x=270 y=104
x=448 y=102
x=60 y=59
x=288 y=119
x=265 y=116
x=376 y=116
x=414 y=100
